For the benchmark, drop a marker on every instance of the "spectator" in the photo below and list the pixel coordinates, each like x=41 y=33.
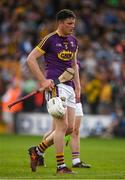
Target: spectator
x=12 y=93
x=117 y=125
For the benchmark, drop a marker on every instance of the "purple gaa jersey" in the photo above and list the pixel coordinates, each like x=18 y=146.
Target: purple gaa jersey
x=59 y=53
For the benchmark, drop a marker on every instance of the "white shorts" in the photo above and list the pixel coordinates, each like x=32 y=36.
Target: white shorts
x=79 y=109
x=67 y=92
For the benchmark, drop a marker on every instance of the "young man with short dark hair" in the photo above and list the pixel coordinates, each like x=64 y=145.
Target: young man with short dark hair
x=59 y=49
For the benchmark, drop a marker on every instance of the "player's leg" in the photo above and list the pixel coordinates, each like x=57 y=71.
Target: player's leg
x=37 y=152
x=49 y=132
x=75 y=140
x=62 y=126
x=58 y=137
x=61 y=167
x=41 y=161
x=60 y=131
x=70 y=118
x=69 y=130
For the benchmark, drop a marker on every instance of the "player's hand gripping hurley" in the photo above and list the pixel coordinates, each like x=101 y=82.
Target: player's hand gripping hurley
x=67 y=75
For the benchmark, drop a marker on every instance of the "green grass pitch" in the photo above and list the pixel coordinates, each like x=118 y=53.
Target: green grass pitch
x=107 y=157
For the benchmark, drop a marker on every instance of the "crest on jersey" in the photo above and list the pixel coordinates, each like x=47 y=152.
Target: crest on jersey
x=72 y=43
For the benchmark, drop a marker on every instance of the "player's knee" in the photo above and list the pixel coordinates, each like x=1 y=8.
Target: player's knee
x=69 y=130
x=63 y=127
x=75 y=132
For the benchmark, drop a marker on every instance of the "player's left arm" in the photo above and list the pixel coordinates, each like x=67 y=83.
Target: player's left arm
x=76 y=77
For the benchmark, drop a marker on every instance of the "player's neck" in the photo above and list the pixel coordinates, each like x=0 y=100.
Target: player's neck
x=60 y=33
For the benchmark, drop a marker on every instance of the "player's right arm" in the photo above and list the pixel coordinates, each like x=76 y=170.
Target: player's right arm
x=35 y=69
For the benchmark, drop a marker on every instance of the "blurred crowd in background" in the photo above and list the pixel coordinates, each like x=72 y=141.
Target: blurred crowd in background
x=100 y=31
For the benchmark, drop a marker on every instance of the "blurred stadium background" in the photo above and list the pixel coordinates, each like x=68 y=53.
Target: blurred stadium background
x=100 y=32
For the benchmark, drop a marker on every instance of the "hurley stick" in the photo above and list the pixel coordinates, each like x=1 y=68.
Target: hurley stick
x=67 y=75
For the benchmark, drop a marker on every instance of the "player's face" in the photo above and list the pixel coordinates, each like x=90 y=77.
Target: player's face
x=68 y=26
